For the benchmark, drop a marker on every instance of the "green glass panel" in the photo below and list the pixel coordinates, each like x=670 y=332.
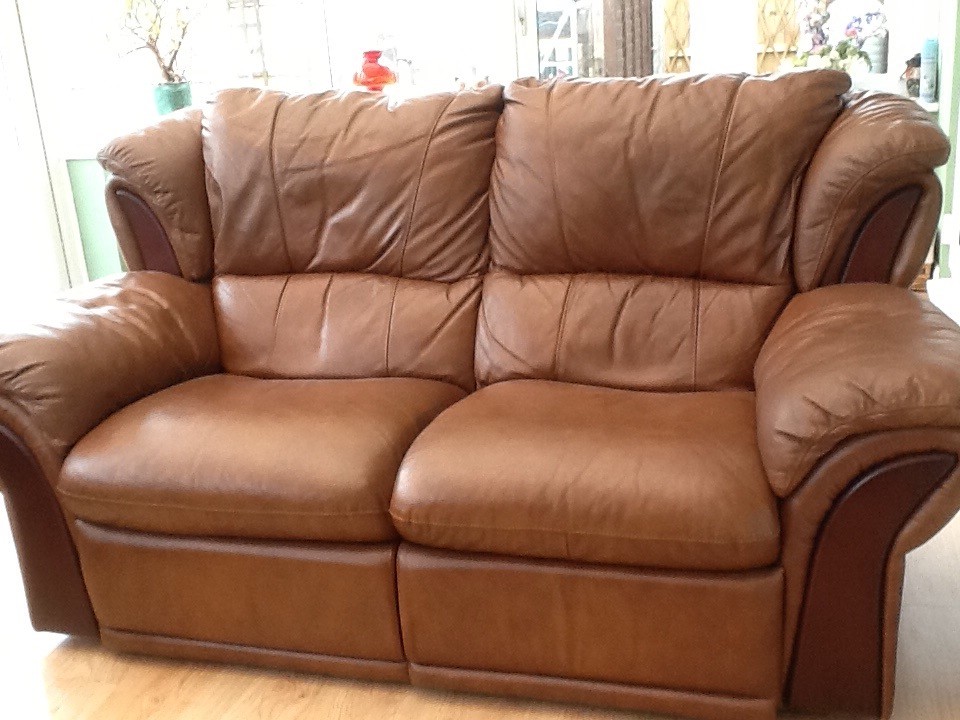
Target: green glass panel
x=87 y=181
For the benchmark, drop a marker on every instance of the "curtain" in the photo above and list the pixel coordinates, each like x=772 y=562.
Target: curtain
x=628 y=37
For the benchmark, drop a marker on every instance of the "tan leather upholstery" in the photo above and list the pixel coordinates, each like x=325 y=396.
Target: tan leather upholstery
x=847 y=360
x=710 y=633
x=347 y=325
x=633 y=508
x=100 y=348
x=383 y=207
x=253 y=656
x=205 y=590
x=623 y=198
x=308 y=459
x=347 y=182
x=163 y=165
x=681 y=703
x=624 y=331
x=880 y=143
x=542 y=469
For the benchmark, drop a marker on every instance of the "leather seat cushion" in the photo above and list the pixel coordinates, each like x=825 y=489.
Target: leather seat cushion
x=553 y=470
x=234 y=456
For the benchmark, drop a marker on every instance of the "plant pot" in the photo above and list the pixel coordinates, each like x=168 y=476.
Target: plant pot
x=169 y=97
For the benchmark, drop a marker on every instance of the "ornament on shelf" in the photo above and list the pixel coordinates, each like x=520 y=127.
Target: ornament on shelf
x=373 y=75
x=911 y=77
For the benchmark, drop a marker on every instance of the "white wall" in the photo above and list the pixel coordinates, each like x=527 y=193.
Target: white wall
x=32 y=266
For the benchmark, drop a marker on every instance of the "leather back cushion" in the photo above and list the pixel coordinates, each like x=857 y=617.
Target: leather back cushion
x=623 y=331
x=347 y=325
x=347 y=182
x=349 y=231
x=656 y=217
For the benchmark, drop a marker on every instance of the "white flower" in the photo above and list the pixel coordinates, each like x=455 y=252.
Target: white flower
x=834 y=55
x=805 y=44
x=816 y=62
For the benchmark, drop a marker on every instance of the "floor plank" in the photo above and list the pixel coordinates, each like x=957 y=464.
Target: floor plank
x=49 y=676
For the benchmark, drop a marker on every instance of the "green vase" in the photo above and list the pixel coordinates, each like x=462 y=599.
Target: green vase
x=169 y=97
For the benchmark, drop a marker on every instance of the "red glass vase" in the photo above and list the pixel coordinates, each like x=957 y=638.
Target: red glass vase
x=373 y=75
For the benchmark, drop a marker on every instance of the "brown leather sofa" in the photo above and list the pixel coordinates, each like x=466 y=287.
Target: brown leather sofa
x=606 y=392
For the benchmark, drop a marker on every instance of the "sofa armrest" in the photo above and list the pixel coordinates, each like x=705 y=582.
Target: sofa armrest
x=104 y=346
x=97 y=350
x=871 y=180
x=157 y=198
x=849 y=360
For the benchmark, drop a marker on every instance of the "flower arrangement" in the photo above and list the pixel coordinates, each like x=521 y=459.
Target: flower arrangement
x=815 y=49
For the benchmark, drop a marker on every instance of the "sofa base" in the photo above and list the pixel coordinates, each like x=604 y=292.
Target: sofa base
x=716 y=634
x=201 y=651
x=586 y=692
x=322 y=599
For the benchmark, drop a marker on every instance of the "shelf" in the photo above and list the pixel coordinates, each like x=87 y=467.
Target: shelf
x=890 y=82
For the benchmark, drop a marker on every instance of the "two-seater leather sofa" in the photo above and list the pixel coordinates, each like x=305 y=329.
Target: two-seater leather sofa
x=595 y=391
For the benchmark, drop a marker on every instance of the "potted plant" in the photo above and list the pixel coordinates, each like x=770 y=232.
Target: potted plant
x=160 y=27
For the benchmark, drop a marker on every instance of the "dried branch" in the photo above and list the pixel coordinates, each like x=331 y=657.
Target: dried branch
x=160 y=27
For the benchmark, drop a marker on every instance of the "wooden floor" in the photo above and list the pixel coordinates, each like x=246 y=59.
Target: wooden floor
x=48 y=676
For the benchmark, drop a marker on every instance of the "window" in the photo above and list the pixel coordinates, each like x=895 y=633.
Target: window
x=245 y=14
x=570 y=39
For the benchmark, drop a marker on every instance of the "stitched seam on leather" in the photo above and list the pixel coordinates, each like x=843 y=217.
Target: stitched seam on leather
x=709 y=224
x=177 y=506
x=464 y=526
x=276 y=317
x=671 y=692
x=697 y=290
x=416 y=192
x=393 y=304
x=276 y=188
x=506 y=271
x=553 y=172
x=812 y=447
x=560 y=327
x=850 y=190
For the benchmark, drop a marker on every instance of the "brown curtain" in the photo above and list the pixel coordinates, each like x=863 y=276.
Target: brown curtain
x=628 y=37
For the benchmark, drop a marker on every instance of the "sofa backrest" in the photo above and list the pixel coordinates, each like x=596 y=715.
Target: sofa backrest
x=349 y=233
x=641 y=229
